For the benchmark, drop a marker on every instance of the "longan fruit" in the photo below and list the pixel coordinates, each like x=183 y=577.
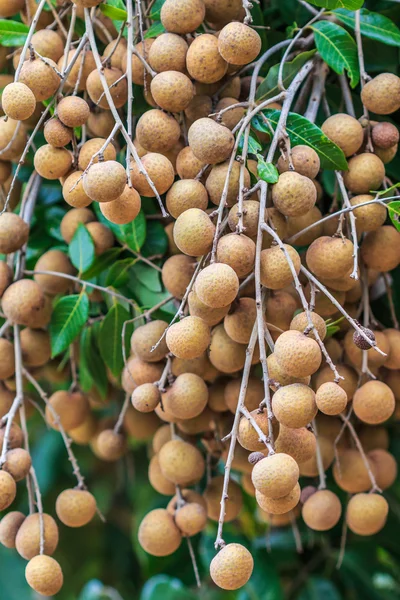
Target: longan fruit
x=15 y=438
x=251 y=210
x=209 y=141
x=27 y=541
x=203 y=60
x=52 y=163
x=101 y=123
x=345 y=131
x=44 y=575
x=71 y=409
x=188 y=338
x=200 y=106
x=380 y=249
x=216 y=397
x=71 y=220
x=330 y=257
x=73 y=192
x=322 y=510
x=9 y=526
x=279 y=375
x=145 y=337
x=14 y=233
x=12 y=139
x=158 y=535
x=157 y=479
x=248 y=438
x=354 y=353
x=217 y=285
x=22 y=302
x=54 y=260
x=188 y=496
x=215 y=183
x=225 y=354
x=253 y=398
x=56 y=133
x=191 y=518
x=118 y=91
x=222 y=12
x=279 y=309
x=172 y=90
x=276 y=475
x=40 y=77
x=211 y=316
x=6 y=277
x=237 y=251
x=157 y=132
x=278 y=506
x=35 y=346
x=8 y=490
x=297 y=354
x=187 y=397
x=365 y=172
x=185 y=194
x=381 y=95
x=385 y=135
x=177 y=273
x=182 y=16
x=239 y=323
x=111 y=446
x=187 y=164
x=298 y=443
x=373 y=438
x=331 y=399
x=351 y=474
x=145 y=397
x=160 y=170
x=386 y=467
x=73 y=111
x=297 y=224
x=47 y=43
x=168 y=53
x=138 y=371
x=104 y=181
x=194 y=232
x=138 y=71
x=323 y=305
x=386 y=155
x=348 y=384
x=9 y=8
x=294 y=194
x=232 y=117
x=300 y=323
x=85 y=432
x=102 y=237
x=238 y=44
x=294 y=405
x=212 y=495
x=367 y=513
x=75 y=507
x=374 y=402
x=393 y=337
x=5 y=172
x=275 y=270
x=181 y=462
x=18 y=101
x=304 y=159
x=124 y=209
x=140 y=426
x=77 y=71
x=232 y=567
x=90 y=148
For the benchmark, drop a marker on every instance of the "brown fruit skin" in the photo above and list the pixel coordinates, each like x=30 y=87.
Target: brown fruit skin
x=177 y=273
x=186 y=398
x=100 y=123
x=299 y=443
x=366 y=172
x=185 y=194
x=300 y=323
x=200 y=106
x=73 y=192
x=160 y=170
x=168 y=53
x=5 y=172
x=230 y=118
x=330 y=258
x=297 y=354
x=7 y=360
x=145 y=397
x=40 y=77
x=386 y=155
x=140 y=426
x=348 y=384
x=189 y=496
x=57 y=134
x=105 y=181
x=14 y=233
x=294 y=195
x=111 y=446
x=157 y=132
x=237 y=251
x=181 y=462
x=276 y=475
x=27 y=541
x=222 y=12
x=118 y=91
x=124 y=209
x=71 y=408
x=6 y=277
x=16 y=436
x=52 y=163
x=369 y=218
x=189 y=338
x=8 y=490
x=18 y=462
x=12 y=139
x=294 y=405
x=47 y=43
x=304 y=159
x=367 y=513
x=226 y=355
x=297 y=224
x=232 y=567
x=393 y=337
x=191 y=518
x=88 y=66
x=194 y=232
x=18 y=101
x=351 y=474
x=44 y=575
x=322 y=510
x=380 y=249
x=71 y=220
x=9 y=526
x=238 y=44
x=239 y=324
x=386 y=467
x=138 y=70
x=345 y=131
x=374 y=402
x=182 y=16
x=204 y=62
x=73 y=111
x=158 y=535
x=217 y=285
x=209 y=141
x=9 y=8
x=354 y=352
x=248 y=438
x=22 y=302
x=75 y=507
x=216 y=181
x=172 y=90
x=331 y=399
x=385 y=135
x=145 y=337
x=212 y=495
x=275 y=270
x=211 y=316
x=102 y=237
x=90 y=148
x=278 y=506
x=187 y=164
x=54 y=260
x=157 y=479
x=381 y=95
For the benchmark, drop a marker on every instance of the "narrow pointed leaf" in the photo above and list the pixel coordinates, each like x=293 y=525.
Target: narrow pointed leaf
x=331 y=4
x=266 y=171
x=337 y=48
x=372 y=25
x=114 y=13
x=69 y=316
x=394 y=213
x=91 y=364
x=110 y=340
x=81 y=249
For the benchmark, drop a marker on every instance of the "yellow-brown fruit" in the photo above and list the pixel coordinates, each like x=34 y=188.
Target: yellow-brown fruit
x=248 y=438
x=118 y=91
x=161 y=437
x=355 y=353
x=229 y=118
x=47 y=43
x=279 y=310
x=386 y=467
x=102 y=237
x=90 y=148
x=168 y=53
x=73 y=111
x=158 y=535
x=100 y=123
x=105 y=181
x=44 y=575
x=237 y=251
x=73 y=192
x=367 y=513
x=275 y=270
x=191 y=518
x=140 y=426
x=139 y=371
x=172 y=90
x=27 y=541
x=278 y=374
x=187 y=397
x=368 y=217
x=188 y=338
x=384 y=135
x=5 y=172
x=297 y=354
x=6 y=277
x=304 y=159
x=349 y=383
x=204 y=62
x=294 y=405
x=56 y=134
x=366 y=172
x=239 y=323
x=115 y=51
x=276 y=475
x=182 y=16
x=345 y=131
x=381 y=95
x=200 y=106
x=15 y=438
x=77 y=71
x=294 y=195
x=14 y=233
x=160 y=171
x=374 y=403
x=52 y=163
x=351 y=473
x=187 y=164
x=75 y=507
x=7 y=359
x=181 y=463
x=217 y=285
x=247 y=485
x=85 y=432
x=18 y=462
x=212 y=495
x=238 y=44
x=157 y=132
x=211 y=316
x=177 y=273
x=22 y=302
x=138 y=70
x=253 y=398
x=9 y=8
x=300 y=323
x=393 y=337
x=111 y=446
x=216 y=397
x=386 y=155
x=145 y=397
x=185 y=194
x=278 y=506
x=70 y=408
x=331 y=399
x=299 y=443
x=225 y=354
x=124 y=209
x=12 y=139
x=188 y=496
x=330 y=257
x=203 y=423
x=373 y=438
x=194 y=232
x=18 y=101
x=9 y=526
x=222 y=12
x=322 y=510
x=297 y=224
x=157 y=479
x=145 y=337
x=40 y=77
x=232 y=567
x=54 y=260
x=8 y=490
x=380 y=249
x=209 y=141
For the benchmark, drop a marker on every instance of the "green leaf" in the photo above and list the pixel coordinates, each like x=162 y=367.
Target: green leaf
x=102 y=263
x=154 y=30
x=317 y=587
x=8 y=26
x=92 y=369
x=81 y=249
x=337 y=48
x=118 y=275
x=69 y=316
x=331 y=4
x=110 y=340
x=132 y=235
x=149 y=276
x=266 y=171
x=254 y=145
x=373 y=25
x=114 y=13
x=167 y=588
x=302 y=131
x=269 y=87
x=156 y=10
x=156 y=239
x=394 y=213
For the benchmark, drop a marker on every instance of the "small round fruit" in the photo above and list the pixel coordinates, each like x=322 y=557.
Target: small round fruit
x=366 y=172
x=105 y=181
x=187 y=164
x=276 y=272
x=225 y=354
x=351 y=474
x=111 y=445
x=14 y=233
x=92 y=147
x=322 y=510
x=209 y=141
x=52 y=163
x=8 y=490
x=44 y=575
x=40 y=77
x=385 y=135
x=194 y=232
x=331 y=399
x=294 y=405
x=238 y=44
x=69 y=409
x=238 y=251
x=145 y=397
x=187 y=397
x=374 y=402
x=12 y=139
x=380 y=249
x=160 y=171
x=393 y=337
x=217 y=285
x=182 y=16
x=177 y=273
x=368 y=217
x=276 y=475
x=116 y=83
x=232 y=567
x=297 y=354
x=157 y=479
x=239 y=323
x=73 y=192
x=54 y=260
x=158 y=535
x=367 y=513
x=204 y=62
x=9 y=526
x=330 y=257
x=188 y=338
x=172 y=90
x=168 y=53
x=345 y=131
x=157 y=131
x=279 y=506
x=18 y=462
x=248 y=437
x=299 y=443
x=18 y=101
x=386 y=467
x=75 y=507
x=300 y=323
x=27 y=541
x=211 y=316
x=22 y=302
x=381 y=95
x=145 y=337
x=191 y=518
x=212 y=495
x=304 y=159
x=124 y=209
x=294 y=195
x=181 y=462
x=185 y=194
x=73 y=111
